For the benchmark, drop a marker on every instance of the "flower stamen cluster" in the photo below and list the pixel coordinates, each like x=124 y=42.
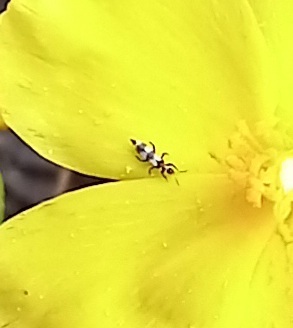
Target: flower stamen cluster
x=255 y=160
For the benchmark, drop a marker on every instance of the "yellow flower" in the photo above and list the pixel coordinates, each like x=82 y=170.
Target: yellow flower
x=203 y=80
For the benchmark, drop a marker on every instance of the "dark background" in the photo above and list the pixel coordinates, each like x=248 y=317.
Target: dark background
x=30 y=179
x=3 y=4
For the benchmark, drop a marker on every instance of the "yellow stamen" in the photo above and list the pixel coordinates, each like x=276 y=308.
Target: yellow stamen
x=261 y=163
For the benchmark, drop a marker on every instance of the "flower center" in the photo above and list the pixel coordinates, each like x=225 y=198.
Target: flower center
x=260 y=161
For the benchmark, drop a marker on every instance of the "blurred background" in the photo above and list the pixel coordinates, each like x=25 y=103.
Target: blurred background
x=3 y=4
x=28 y=178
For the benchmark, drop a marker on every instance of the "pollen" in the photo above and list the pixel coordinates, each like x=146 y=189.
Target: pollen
x=128 y=169
x=259 y=160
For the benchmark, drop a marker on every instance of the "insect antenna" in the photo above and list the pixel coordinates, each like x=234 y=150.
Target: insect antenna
x=183 y=171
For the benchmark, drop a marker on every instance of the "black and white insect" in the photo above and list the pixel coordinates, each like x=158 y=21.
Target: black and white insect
x=148 y=154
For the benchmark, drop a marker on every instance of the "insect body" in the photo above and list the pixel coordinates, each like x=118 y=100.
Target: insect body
x=148 y=154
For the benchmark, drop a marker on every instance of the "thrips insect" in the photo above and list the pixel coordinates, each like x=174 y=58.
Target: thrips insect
x=148 y=154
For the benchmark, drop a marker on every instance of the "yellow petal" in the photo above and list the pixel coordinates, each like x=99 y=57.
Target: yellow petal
x=81 y=78
x=146 y=254
x=275 y=19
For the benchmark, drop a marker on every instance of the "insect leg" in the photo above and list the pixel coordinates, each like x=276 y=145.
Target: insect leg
x=173 y=165
x=141 y=160
x=162 y=173
x=164 y=154
x=151 y=168
x=154 y=147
